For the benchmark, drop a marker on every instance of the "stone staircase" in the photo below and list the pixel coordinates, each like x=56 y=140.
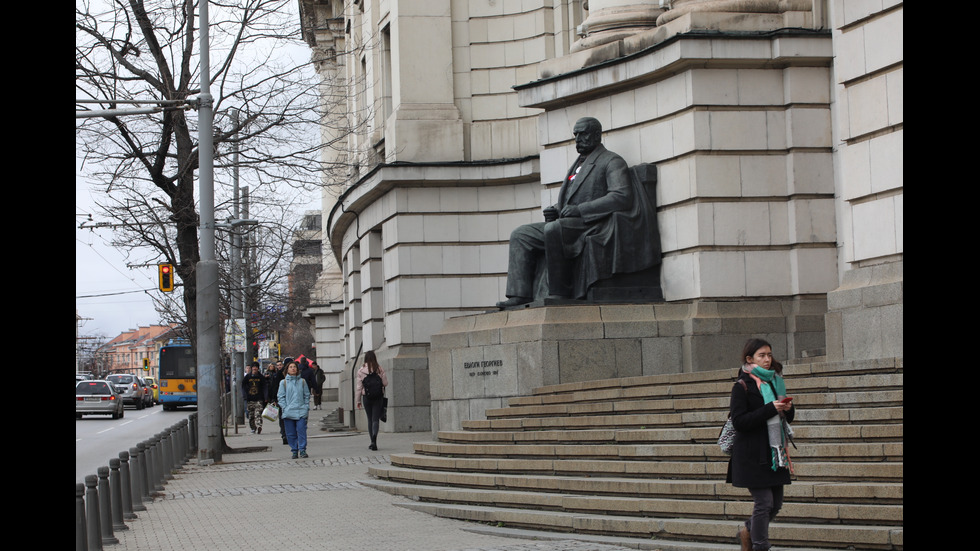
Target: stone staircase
x=334 y=422
x=637 y=458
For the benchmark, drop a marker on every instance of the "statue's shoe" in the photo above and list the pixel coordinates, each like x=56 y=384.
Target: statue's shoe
x=513 y=301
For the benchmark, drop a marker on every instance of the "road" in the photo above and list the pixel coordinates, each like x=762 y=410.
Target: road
x=99 y=438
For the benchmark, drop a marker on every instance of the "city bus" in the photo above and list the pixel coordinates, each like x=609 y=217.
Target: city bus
x=178 y=375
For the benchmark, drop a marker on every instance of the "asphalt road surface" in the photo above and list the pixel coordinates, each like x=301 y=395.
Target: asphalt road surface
x=99 y=438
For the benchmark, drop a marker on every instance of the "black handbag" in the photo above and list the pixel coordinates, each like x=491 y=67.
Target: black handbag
x=384 y=410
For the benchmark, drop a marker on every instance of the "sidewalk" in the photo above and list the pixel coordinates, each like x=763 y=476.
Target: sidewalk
x=263 y=500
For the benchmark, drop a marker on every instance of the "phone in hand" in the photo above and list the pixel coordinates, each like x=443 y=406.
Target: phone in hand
x=787 y=400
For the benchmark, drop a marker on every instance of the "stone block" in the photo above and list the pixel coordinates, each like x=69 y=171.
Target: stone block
x=714 y=86
x=587 y=360
x=661 y=355
x=408 y=419
x=441 y=374
x=886 y=162
x=809 y=127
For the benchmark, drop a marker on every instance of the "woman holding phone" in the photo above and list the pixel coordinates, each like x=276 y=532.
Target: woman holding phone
x=761 y=413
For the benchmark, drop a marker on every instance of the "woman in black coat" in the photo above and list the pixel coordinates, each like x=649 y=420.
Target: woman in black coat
x=759 y=459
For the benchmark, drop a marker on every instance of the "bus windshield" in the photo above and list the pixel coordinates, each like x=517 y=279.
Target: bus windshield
x=177 y=362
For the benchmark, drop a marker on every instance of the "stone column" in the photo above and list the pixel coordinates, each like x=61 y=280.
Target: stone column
x=611 y=20
x=425 y=124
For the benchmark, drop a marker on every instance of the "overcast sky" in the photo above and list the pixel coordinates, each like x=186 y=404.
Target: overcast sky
x=101 y=270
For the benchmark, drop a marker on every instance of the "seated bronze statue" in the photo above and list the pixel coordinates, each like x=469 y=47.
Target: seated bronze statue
x=604 y=224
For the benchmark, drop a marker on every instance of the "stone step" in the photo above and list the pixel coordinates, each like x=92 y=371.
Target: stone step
x=846 y=451
x=638 y=458
x=823 y=399
x=801 y=370
x=648 y=435
x=713 y=418
x=838 y=536
x=599 y=483
x=811 y=470
x=641 y=503
x=706 y=389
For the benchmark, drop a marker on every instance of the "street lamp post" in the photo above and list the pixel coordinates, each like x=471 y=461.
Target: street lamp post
x=209 y=439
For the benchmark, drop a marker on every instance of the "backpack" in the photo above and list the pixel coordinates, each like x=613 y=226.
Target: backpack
x=373 y=387
x=727 y=437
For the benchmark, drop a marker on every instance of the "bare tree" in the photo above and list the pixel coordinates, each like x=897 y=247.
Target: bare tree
x=92 y=357
x=267 y=104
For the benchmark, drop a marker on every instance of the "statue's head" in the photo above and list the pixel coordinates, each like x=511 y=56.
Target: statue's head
x=588 y=134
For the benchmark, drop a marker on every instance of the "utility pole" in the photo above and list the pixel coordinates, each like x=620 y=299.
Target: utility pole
x=210 y=440
x=239 y=360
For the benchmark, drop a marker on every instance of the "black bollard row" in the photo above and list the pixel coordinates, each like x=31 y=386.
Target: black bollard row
x=108 y=499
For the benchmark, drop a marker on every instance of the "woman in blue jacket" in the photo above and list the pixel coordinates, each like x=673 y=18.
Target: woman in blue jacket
x=294 y=399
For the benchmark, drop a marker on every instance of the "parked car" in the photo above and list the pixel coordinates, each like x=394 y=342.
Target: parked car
x=154 y=388
x=99 y=397
x=132 y=390
x=147 y=393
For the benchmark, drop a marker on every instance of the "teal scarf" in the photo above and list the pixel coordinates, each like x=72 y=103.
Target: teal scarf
x=777 y=427
x=770 y=376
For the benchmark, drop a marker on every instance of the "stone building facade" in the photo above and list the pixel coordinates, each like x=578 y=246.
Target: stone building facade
x=776 y=127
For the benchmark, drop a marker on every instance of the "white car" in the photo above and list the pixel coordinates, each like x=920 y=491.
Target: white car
x=97 y=397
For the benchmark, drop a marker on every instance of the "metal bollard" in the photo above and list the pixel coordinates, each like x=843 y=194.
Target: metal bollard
x=151 y=466
x=175 y=446
x=126 y=487
x=105 y=507
x=193 y=441
x=81 y=538
x=147 y=446
x=166 y=449
x=115 y=487
x=157 y=463
x=179 y=438
x=136 y=480
x=92 y=520
x=144 y=471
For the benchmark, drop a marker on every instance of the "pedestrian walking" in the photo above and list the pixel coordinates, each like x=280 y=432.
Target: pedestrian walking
x=319 y=378
x=761 y=413
x=370 y=391
x=276 y=375
x=294 y=399
x=254 y=389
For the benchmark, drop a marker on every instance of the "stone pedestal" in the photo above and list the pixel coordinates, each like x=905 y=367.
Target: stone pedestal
x=478 y=362
x=866 y=313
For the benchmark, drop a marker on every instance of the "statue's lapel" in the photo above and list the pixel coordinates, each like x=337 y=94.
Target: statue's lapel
x=583 y=174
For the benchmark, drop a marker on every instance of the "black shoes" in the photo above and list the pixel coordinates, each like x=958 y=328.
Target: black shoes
x=373 y=447
x=513 y=301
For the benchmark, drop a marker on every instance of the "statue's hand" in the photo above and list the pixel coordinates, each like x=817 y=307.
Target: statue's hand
x=550 y=214
x=571 y=211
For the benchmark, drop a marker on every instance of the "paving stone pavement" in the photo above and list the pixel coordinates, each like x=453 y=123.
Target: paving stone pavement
x=262 y=500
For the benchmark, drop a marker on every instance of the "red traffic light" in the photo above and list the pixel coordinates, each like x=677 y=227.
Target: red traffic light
x=166 y=272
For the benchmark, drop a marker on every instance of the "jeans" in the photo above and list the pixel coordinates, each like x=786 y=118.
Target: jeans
x=296 y=434
x=768 y=501
x=372 y=407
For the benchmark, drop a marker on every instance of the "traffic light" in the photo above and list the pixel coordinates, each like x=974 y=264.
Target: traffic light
x=166 y=277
